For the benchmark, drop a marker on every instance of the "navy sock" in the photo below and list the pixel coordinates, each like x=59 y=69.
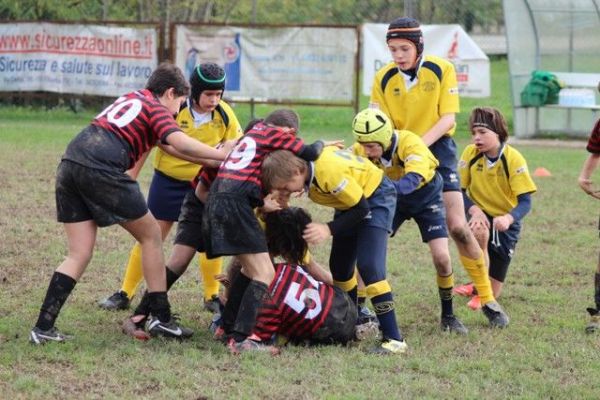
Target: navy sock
x=384 y=308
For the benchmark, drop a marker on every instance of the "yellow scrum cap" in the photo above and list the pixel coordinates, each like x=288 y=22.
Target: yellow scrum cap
x=372 y=125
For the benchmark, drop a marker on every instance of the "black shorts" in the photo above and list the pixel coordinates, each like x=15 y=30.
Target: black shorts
x=229 y=226
x=107 y=197
x=340 y=323
x=189 y=228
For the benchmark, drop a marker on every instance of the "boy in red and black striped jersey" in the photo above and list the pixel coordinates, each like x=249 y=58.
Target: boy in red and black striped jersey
x=230 y=226
x=585 y=181
x=93 y=190
x=300 y=308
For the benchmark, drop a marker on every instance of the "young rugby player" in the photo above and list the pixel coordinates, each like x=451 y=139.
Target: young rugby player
x=410 y=165
x=585 y=181
x=230 y=226
x=204 y=117
x=301 y=308
x=420 y=94
x=93 y=190
x=497 y=191
x=364 y=200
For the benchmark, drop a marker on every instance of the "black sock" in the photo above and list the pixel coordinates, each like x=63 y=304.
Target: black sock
x=158 y=305
x=236 y=292
x=353 y=293
x=597 y=290
x=361 y=301
x=446 y=300
x=59 y=289
x=249 y=307
x=144 y=307
x=171 y=277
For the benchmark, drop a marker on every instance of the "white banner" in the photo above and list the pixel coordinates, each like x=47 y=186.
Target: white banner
x=447 y=41
x=79 y=59
x=296 y=63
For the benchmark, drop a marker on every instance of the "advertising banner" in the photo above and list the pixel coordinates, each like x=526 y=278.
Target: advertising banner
x=447 y=41
x=79 y=59
x=286 y=64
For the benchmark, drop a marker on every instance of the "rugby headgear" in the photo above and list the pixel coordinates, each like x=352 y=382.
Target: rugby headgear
x=372 y=125
x=406 y=28
x=206 y=76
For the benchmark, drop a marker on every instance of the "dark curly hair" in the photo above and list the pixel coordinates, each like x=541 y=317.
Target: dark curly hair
x=284 y=233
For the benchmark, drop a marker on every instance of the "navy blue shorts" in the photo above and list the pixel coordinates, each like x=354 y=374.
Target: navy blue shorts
x=445 y=151
x=166 y=195
x=107 y=197
x=501 y=249
x=426 y=207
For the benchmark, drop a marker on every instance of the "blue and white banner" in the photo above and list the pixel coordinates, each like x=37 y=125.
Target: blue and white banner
x=78 y=59
x=295 y=63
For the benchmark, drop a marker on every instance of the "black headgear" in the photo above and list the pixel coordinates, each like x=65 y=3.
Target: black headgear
x=406 y=28
x=206 y=76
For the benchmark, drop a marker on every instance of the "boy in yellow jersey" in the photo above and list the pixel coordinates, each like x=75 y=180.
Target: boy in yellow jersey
x=364 y=201
x=419 y=93
x=585 y=182
x=208 y=119
x=412 y=168
x=497 y=191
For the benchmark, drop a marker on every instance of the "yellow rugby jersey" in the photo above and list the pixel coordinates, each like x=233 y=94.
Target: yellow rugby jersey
x=408 y=154
x=419 y=107
x=495 y=187
x=223 y=126
x=339 y=178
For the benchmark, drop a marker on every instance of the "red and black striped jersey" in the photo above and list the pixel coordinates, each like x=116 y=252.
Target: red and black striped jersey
x=206 y=175
x=240 y=172
x=297 y=307
x=593 y=145
x=140 y=119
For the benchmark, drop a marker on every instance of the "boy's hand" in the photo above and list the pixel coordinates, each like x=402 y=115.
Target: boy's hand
x=316 y=233
x=503 y=222
x=588 y=187
x=270 y=203
x=337 y=143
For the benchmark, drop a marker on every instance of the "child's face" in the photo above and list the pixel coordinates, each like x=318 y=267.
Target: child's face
x=208 y=100
x=373 y=150
x=484 y=139
x=404 y=53
x=293 y=185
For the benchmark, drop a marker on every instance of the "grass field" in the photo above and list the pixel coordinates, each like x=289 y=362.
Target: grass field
x=543 y=354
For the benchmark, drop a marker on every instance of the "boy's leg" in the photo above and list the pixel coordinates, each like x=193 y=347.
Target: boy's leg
x=209 y=269
x=472 y=258
x=259 y=268
x=133 y=275
x=594 y=324
x=81 y=237
x=445 y=282
x=342 y=261
x=371 y=261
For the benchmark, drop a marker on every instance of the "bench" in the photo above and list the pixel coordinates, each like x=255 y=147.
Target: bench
x=572 y=120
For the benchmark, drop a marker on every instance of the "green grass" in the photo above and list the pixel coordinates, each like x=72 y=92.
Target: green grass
x=543 y=354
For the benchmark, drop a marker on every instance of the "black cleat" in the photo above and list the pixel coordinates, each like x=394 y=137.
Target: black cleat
x=38 y=336
x=495 y=314
x=213 y=305
x=117 y=301
x=170 y=329
x=594 y=324
x=453 y=324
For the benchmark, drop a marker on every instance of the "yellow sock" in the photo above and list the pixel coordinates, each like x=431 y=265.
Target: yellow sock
x=362 y=292
x=479 y=275
x=445 y=282
x=133 y=274
x=208 y=270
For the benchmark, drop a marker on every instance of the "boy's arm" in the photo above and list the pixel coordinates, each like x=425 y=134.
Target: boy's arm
x=312 y=151
x=585 y=181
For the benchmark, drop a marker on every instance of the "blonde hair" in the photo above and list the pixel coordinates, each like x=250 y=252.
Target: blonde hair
x=280 y=165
